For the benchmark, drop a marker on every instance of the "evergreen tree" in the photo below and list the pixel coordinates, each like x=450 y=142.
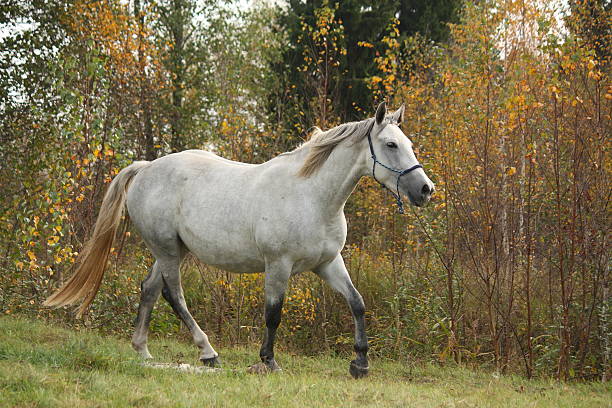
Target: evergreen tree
x=427 y=17
x=364 y=23
x=591 y=22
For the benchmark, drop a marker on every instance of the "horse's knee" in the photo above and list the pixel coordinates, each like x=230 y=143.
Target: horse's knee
x=273 y=313
x=357 y=306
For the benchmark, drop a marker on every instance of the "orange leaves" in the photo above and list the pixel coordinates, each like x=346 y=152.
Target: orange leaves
x=365 y=44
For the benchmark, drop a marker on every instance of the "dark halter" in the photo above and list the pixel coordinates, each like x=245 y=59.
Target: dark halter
x=400 y=173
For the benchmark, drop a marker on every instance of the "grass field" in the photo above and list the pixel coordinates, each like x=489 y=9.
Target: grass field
x=43 y=366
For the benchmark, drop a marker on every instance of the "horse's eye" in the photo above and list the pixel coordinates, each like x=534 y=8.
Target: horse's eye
x=392 y=145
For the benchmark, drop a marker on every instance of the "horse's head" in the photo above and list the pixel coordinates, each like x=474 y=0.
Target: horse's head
x=392 y=161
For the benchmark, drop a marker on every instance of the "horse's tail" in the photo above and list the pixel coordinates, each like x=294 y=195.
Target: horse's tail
x=85 y=282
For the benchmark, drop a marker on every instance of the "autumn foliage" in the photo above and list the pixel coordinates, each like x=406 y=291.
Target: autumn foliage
x=509 y=267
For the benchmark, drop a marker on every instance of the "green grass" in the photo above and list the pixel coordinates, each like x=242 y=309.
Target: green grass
x=45 y=366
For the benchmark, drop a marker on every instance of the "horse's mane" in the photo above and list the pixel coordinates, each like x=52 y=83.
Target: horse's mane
x=322 y=143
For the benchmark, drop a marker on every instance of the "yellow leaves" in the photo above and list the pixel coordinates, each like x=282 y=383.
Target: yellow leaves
x=96 y=152
x=577 y=100
x=365 y=44
x=225 y=126
x=376 y=79
x=31 y=255
x=556 y=92
x=512 y=117
x=591 y=64
x=510 y=171
x=19 y=265
x=440 y=206
x=52 y=240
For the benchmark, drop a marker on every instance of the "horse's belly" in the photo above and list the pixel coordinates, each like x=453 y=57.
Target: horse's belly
x=224 y=248
x=228 y=260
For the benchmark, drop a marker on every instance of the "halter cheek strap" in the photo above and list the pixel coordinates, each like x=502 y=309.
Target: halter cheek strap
x=400 y=173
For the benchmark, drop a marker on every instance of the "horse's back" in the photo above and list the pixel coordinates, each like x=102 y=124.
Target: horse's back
x=204 y=154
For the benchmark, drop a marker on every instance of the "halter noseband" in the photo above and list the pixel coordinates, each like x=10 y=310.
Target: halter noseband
x=400 y=173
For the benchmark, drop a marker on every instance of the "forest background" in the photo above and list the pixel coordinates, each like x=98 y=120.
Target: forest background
x=508 y=103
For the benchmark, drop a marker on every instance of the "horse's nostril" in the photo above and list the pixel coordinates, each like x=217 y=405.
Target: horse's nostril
x=425 y=190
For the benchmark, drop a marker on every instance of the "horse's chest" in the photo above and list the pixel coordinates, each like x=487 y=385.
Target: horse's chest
x=305 y=244
x=319 y=247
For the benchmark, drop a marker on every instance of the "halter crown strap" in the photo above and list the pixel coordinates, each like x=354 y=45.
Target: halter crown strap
x=400 y=173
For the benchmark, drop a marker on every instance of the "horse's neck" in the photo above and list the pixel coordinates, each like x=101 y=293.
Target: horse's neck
x=332 y=184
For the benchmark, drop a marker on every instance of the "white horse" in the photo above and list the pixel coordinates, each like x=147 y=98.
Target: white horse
x=282 y=217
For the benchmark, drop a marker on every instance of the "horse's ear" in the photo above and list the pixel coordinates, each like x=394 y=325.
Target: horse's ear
x=381 y=112
x=398 y=115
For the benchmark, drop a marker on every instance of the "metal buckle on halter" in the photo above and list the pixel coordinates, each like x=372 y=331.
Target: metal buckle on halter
x=396 y=195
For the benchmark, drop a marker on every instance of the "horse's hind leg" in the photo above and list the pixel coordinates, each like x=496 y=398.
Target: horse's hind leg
x=173 y=293
x=150 y=289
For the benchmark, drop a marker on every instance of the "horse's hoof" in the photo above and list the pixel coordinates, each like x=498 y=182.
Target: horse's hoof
x=263 y=368
x=358 y=371
x=211 y=362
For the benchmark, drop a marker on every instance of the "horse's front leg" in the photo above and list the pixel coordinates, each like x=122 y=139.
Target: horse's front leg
x=337 y=276
x=277 y=277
